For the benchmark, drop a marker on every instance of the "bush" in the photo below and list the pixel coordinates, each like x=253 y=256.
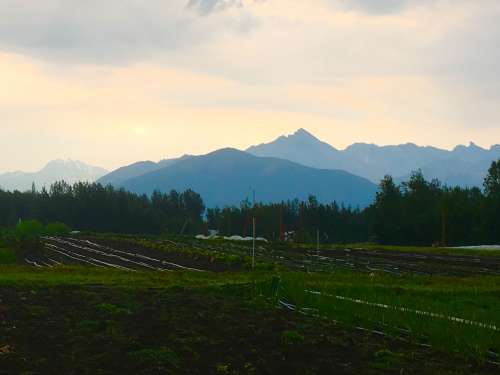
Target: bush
x=29 y=231
x=57 y=229
x=27 y=236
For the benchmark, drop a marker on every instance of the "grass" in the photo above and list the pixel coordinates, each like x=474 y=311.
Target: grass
x=403 y=249
x=474 y=298
x=88 y=320
x=82 y=275
x=423 y=249
x=7 y=256
x=471 y=298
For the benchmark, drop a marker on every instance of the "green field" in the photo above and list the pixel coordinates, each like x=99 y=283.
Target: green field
x=277 y=318
x=452 y=314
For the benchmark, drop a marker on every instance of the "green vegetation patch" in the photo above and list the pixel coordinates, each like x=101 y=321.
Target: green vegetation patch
x=7 y=256
x=82 y=275
x=224 y=329
x=450 y=313
x=422 y=249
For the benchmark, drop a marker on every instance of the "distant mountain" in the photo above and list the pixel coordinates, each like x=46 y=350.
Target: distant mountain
x=118 y=176
x=463 y=166
x=301 y=147
x=226 y=177
x=70 y=171
x=466 y=166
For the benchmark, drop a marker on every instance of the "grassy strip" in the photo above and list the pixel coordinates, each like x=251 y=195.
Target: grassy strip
x=402 y=249
x=422 y=250
x=476 y=299
x=81 y=275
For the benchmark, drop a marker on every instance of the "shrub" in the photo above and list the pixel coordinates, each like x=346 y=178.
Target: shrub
x=57 y=229
x=28 y=231
x=27 y=236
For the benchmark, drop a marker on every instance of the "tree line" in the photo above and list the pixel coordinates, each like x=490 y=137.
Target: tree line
x=293 y=219
x=421 y=212
x=415 y=212
x=93 y=207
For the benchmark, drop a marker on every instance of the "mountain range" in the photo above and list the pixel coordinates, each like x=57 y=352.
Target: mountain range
x=227 y=176
x=299 y=164
x=70 y=171
x=120 y=175
x=289 y=167
x=463 y=166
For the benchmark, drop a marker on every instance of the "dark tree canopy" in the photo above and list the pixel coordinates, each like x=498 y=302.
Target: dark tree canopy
x=492 y=180
x=85 y=206
x=416 y=212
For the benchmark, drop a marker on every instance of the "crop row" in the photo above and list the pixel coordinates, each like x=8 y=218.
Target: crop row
x=462 y=320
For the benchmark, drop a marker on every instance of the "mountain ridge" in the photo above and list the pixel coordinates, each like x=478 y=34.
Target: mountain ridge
x=226 y=176
x=68 y=170
x=373 y=162
x=119 y=175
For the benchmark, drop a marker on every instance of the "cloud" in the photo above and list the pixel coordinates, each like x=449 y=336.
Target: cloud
x=466 y=61
x=382 y=6
x=350 y=70
x=206 y=7
x=113 y=31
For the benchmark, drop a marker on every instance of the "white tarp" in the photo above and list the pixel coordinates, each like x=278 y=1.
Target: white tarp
x=231 y=238
x=479 y=247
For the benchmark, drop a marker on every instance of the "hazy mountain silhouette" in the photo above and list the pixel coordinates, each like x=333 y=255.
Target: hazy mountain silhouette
x=299 y=164
x=463 y=166
x=227 y=176
x=466 y=166
x=70 y=171
x=118 y=176
x=301 y=147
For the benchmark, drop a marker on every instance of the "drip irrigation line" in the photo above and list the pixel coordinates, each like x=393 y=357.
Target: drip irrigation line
x=123 y=256
x=304 y=311
x=144 y=257
x=408 y=310
x=32 y=262
x=84 y=258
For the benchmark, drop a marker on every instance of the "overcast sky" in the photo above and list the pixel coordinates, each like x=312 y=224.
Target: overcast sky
x=116 y=81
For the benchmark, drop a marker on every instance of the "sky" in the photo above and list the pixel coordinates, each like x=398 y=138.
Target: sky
x=117 y=81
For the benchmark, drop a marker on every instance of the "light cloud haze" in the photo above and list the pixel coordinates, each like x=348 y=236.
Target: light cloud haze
x=118 y=81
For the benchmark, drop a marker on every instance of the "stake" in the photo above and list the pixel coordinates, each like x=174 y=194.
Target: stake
x=253 y=240
x=317 y=240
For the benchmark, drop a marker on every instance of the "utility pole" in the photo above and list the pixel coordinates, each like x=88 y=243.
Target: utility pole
x=253 y=240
